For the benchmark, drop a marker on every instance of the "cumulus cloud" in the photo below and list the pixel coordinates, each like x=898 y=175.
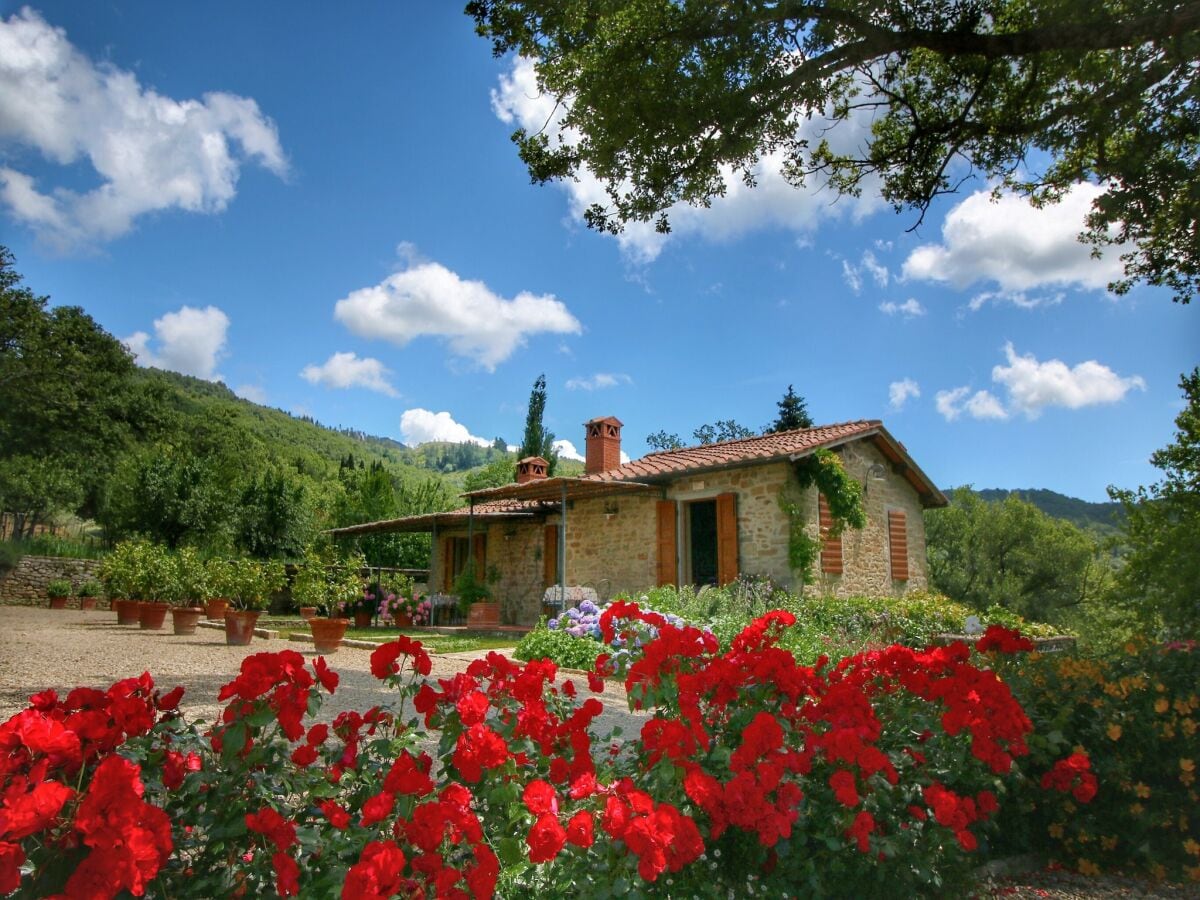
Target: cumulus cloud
x=253 y=392
x=852 y=276
x=347 y=370
x=566 y=450
x=980 y=405
x=420 y=426
x=149 y=152
x=772 y=203
x=909 y=308
x=899 y=392
x=597 y=382
x=1032 y=386
x=190 y=341
x=430 y=300
x=1017 y=246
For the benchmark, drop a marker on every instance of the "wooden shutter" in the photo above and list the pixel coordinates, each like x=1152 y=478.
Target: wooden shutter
x=898 y=544
x=727 y=539
x=831 y=547
x=550 y=556
x=447 y=564
x=479 y=552
x=667 y=564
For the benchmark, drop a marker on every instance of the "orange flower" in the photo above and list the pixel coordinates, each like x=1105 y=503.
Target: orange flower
x=1056 y=831
x=1142 y=790
x=1087 y=867
x=1161 y=705
x=1191 y=847
x=1187 y=765
x=1114 y=731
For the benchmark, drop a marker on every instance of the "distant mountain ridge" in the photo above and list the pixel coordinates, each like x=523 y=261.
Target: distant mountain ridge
x=1105 y=517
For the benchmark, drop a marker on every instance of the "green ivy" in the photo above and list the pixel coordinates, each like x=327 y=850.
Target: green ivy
x=843 y=495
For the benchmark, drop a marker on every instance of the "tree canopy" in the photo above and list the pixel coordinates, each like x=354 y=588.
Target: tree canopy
x=663 y=100
x=538 y=441
x=793 y=414
x=1161 y=577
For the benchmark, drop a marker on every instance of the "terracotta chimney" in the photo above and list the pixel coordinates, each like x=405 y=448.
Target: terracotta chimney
x=603 y=444
x=531 y=468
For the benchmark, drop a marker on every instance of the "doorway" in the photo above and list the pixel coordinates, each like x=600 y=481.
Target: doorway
x=702 y=541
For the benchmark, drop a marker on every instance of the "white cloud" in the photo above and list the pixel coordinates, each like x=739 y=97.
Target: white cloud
x=252 y=392
x=149 y=152
x=347 y=370
x=772 y=203
x=190 y=341
x=852 y=276
x=598 y=381
x=1019 y=299
x=1017 y=246
x=980 y=405
x=420 y=426
x=1033 y=385
x=899 y=392
x=875 y=269
x=909 y=308
x=566 y=450
x=429 y=299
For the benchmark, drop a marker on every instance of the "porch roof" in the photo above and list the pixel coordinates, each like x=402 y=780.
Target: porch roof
x=490 y=512
x=555 y=489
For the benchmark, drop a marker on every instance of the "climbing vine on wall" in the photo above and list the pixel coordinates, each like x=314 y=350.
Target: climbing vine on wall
x=843 y=495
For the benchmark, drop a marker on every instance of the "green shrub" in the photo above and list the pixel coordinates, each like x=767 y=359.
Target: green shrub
x=58 y=588
x=560 y=647
x=1136 y=714
x=10 y=554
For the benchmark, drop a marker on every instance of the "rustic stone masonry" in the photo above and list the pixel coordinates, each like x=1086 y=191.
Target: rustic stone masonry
x=26 y=583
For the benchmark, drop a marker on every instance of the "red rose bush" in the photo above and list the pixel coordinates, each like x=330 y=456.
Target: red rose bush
x=748 y=771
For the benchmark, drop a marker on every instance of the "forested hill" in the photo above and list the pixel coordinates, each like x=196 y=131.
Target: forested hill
x=1104 y=517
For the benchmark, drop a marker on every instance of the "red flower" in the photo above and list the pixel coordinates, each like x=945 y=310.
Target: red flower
x=23 y=813
x=864 y=824
x=580 y=829
x=1072 y=774
x=378 y=808
x=325 y=675
x=274 y=827
x=1003 y=640
x=170 y=700
x=11 y=857
x=481 y=877
x=409 y=776
x=384 y=659
x=287 y=875
x=479 y=748
x=472 y=708
x=844 y=788
x=377 y=874
x=338 y=817
x=540 y=797
x=545 y=839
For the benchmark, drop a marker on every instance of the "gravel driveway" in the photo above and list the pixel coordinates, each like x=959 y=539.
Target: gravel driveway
x=42 y=648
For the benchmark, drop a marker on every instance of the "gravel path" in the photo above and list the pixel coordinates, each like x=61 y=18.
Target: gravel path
x=42 y=648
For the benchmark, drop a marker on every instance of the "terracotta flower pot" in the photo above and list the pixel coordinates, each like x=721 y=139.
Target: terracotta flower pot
x=307 y=612
x=327 y=633
x=127 y=611
x=86 y=603
x=184 y=619
x=215 y=609
x=151 y=615
x=483 y=615
x=239 y=626
x=58 y=602
x=362 y=619
x=403 y=620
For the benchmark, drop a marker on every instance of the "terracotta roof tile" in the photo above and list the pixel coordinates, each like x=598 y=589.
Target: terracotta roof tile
x=706 y=456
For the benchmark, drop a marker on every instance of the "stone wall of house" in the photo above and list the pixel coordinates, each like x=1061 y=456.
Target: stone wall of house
x=611 y=543
x=867 y=552
x=25 y=584
x=515 y=552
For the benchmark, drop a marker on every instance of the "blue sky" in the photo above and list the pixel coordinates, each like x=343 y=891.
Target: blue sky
x=323 y=210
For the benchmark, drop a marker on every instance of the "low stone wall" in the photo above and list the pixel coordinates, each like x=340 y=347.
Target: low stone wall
x=26 y=584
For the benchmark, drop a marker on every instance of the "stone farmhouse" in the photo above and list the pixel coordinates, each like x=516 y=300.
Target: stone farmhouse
x=696 y=516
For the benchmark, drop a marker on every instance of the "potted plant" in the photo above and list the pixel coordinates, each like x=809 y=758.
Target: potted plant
x=116 y=573
x=364 y=605
x=328 y=586
x=253 y=583
x=219 y=576
x=474 y=599
x=58 y=591
x=152 y=584
x=87 y=592
x=188 y=585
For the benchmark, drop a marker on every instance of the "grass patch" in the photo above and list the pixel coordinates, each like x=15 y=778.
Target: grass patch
x=434 y=643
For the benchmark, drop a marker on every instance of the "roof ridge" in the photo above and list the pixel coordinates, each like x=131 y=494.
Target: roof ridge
x=759 y=437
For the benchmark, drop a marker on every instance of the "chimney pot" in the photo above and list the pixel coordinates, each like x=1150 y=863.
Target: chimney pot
x=531 y=468
x=603 y=443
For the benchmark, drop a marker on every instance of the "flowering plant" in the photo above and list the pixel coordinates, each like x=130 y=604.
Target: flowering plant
x=881 y=772
x=415 y=606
